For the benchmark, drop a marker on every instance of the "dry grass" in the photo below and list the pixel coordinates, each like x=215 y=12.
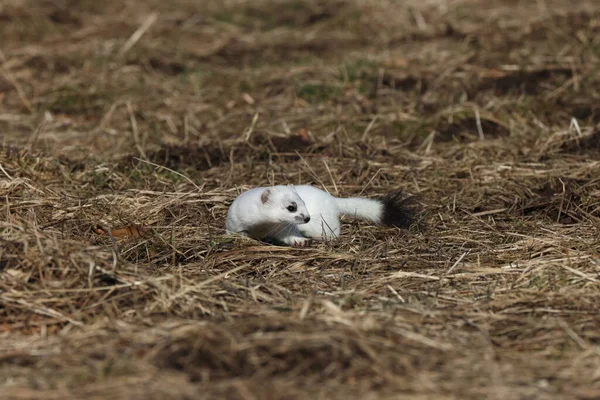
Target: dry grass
x=156 y=114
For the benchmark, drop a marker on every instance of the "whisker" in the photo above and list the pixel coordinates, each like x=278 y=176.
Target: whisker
x=278 y=229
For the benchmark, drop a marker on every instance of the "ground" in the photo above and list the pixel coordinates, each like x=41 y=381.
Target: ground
x=128 y=127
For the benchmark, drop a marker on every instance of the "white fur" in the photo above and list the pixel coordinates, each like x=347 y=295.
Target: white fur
x=248 y=215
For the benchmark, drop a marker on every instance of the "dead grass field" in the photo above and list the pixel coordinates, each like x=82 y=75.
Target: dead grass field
x=127 y=128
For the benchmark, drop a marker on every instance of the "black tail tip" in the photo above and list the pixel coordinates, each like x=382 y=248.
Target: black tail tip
x=399 y=210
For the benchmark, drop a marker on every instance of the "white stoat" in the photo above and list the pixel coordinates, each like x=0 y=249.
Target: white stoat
x=293 y=215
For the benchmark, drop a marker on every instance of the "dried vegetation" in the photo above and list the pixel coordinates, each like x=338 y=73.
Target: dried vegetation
x=127 y=128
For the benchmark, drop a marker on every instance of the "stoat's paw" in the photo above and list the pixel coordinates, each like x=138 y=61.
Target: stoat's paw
x=301 y=242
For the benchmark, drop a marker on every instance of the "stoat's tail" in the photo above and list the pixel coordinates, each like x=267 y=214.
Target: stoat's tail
x=391 y=209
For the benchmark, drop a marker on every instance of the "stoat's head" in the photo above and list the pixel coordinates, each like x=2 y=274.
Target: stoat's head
x=283 y=204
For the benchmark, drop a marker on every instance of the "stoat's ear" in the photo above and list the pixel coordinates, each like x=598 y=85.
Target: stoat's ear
x=266 y=194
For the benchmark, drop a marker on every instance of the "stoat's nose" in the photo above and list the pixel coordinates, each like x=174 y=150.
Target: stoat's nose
x=306 y=219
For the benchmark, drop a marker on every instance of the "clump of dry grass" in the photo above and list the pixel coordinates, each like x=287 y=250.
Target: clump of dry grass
x=128 y=129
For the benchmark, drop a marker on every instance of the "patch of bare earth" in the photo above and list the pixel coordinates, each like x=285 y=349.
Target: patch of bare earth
x=127 y=128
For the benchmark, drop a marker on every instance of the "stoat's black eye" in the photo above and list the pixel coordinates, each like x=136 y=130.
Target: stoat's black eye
x=292 y=208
